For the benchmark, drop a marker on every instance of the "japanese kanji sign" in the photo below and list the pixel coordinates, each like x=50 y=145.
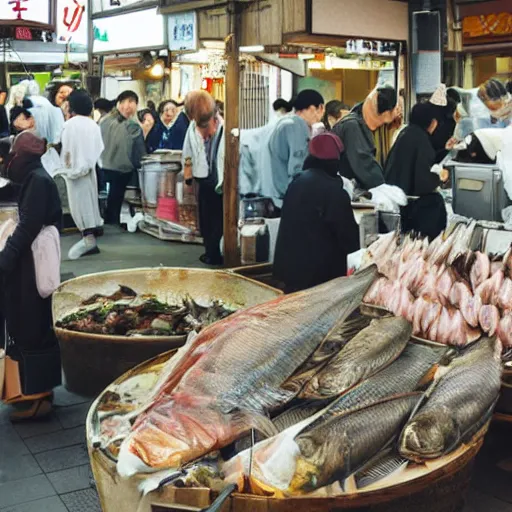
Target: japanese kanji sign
x=72 y=21
x=37 y=11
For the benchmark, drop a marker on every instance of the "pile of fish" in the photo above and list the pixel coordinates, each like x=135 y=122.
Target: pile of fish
x=125 y=313
x=449 y=293
x=300 y=393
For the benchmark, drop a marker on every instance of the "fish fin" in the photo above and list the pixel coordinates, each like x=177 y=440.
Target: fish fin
x=247 y=418
x=385 y=464
x=261 y=399
x=474 y=429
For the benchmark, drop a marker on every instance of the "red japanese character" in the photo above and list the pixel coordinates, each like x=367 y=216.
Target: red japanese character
x=18 y=7
x=76 y=18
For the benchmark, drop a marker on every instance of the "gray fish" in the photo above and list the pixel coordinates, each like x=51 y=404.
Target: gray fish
x=368 y=352
x=342 y=445
x=402 y=376
x=386 y=463
x=457 y=403
x=298 y=413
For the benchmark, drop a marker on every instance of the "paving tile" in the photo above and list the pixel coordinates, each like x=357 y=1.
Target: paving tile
x=479 y=502
x=11 y=443
x=82 y=501
x=4 y=414
x=63 y=458
x=63 y=398
x=25 y=490
x=74 y=415
x=18 y=467
x=38 y=427
x=73 y=479
x=60 y=439
x=52 y=504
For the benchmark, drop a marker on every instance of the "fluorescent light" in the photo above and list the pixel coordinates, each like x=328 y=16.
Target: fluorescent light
x=306 y=56
x=252 y=49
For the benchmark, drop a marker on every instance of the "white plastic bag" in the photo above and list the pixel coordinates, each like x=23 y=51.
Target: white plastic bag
x=388 y=198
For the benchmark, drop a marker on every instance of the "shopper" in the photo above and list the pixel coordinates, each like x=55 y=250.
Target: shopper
x=203 y=159
x=282 y=107
x=356 y=132
x=22 y=119
x=335 y=111
x=170 y=128
x=147 y=122
x=124 y=149
x=102 y=107
x=59 y=95
x=410 y=167
x=82 y=146
x=28 y=316
x=494 y=95
x=317 y=229
x=287 y=145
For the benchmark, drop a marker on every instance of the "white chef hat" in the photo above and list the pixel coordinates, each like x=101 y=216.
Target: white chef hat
x=439 y=96
x=491 y=140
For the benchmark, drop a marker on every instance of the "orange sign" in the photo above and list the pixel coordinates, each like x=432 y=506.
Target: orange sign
x=489 y=26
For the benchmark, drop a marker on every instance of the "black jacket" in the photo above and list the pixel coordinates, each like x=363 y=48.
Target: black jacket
x=409 y=162
x=316 y=233
x=358 y=160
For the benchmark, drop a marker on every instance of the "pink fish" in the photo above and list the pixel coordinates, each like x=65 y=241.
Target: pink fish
x=489 y=319
x=480 y=270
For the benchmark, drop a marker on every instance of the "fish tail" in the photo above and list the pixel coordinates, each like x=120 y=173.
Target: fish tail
x=245 y=420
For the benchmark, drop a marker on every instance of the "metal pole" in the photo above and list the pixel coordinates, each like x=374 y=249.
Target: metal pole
x=231 y=127
x=90 y=39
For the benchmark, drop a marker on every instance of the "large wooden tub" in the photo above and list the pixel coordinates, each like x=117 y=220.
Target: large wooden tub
x=438 y=486
x=92 y=361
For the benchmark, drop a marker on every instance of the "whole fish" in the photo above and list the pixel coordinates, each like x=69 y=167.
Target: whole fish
x=372 y=349
x=340 y=446
x=237 y=364
x=402 y=376
x=459 y=401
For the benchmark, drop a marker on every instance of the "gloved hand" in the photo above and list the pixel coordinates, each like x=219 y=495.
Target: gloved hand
x=349 y=187
x=388 y=198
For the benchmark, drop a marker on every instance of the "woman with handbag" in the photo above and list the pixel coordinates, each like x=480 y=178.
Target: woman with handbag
x=30 y=257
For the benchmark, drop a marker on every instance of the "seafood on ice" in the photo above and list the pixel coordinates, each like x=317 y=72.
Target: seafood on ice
x=450 y=294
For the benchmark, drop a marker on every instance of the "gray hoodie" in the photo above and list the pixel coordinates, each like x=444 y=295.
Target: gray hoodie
x=124 y=143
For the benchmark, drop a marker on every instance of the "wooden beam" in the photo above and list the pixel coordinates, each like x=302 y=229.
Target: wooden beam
x=232 y=136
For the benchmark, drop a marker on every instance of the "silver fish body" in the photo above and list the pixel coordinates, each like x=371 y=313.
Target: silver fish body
x=371 y=350
x=460 y=399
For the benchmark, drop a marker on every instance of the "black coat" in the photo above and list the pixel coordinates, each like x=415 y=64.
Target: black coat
x=316 y=233
x=408 y=167
x=28 y=316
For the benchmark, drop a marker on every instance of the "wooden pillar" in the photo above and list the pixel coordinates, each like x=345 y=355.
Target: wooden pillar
x=232 y=136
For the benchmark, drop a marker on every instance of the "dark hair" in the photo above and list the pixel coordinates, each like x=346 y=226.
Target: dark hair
x=104 y=104
x=220 y=107
x=386 y=99
x=141 y=114
x=128 y=95
x=509 y=86
x=474 y=153
x=162 y=104
x=423 y=114
x=151 y=105
x=306 y=99
x=55 y=90
x=333 y=108
x=453 y=94
x=281 y=103
x=18 y=111
x=80 y=103
x=492 y=90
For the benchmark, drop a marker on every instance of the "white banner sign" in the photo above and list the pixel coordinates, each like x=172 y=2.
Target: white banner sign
x=108 y=5
x=182 y=31
x=25 y=10
x=72 y=21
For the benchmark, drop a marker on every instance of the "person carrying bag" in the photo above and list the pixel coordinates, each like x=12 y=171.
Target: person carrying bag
x=29 y=273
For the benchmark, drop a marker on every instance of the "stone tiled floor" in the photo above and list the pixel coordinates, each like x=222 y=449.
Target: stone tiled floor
x=44 y=465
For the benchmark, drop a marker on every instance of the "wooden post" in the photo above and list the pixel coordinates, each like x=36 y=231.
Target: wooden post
x=232 y=135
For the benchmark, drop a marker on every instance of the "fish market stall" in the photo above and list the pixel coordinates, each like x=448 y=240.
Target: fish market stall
x=310 y=401
x=105 y=329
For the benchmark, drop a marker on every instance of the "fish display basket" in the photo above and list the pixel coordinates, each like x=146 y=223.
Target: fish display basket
x=92 y=361
x=438 y=486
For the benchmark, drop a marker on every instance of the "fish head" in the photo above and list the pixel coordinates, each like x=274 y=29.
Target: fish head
x=428 y=436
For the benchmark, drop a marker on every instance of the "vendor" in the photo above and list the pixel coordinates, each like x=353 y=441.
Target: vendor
x=410 y=165
x=356 y=132
x=287 y=145
x=317 y=229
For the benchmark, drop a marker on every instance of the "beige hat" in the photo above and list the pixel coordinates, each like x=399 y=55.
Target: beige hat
x=439 y=96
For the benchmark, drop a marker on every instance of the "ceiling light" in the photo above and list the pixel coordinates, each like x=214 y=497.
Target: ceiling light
x=252 y=49
x=157 y=70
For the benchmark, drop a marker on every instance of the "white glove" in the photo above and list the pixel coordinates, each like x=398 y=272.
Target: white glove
x=355 y=259
x=388 y=198
x=349 y=187
x=436 y=169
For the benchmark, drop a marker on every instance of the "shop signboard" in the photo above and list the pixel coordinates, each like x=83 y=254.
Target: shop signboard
x=72 y=22
x=99 y=6
x=130 y=31
x=29 y=11
x=172 y=6
x=182 y=31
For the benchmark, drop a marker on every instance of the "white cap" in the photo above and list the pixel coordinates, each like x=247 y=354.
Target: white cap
x=439 y=96
x=491 y=140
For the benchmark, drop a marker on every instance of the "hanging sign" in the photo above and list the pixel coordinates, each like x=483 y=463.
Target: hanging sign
x=72 y=21
x=182 y=32
x=30 y=11
x=99 y=6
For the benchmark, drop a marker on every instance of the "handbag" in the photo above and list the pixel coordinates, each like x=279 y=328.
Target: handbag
x=46 y=254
